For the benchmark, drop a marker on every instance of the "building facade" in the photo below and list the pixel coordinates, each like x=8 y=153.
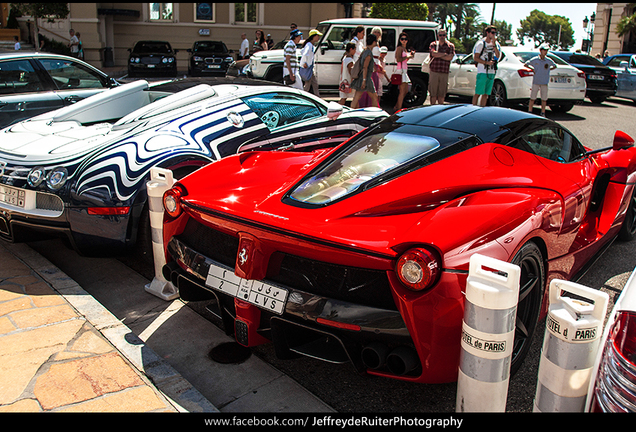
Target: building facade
x=605 y=36
x=108 y=30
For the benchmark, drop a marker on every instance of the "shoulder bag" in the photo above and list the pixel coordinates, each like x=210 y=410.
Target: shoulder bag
x=426 y=64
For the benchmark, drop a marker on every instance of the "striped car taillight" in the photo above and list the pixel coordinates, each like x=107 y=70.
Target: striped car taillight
x=615 y=387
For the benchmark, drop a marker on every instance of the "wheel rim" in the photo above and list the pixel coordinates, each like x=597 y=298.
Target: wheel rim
x=530 y=294
x=630 y=217
x=497 y=96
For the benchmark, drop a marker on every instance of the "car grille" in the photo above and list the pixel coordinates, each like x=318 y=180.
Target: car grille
x=352 y=284
x=50 y=202
x=213 y=60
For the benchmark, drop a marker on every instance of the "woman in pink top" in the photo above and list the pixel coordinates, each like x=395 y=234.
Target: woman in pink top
x=402 y=56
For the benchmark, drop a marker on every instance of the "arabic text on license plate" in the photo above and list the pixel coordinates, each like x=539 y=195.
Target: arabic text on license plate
x=258 y=293
x=596 y=77
x=12 y=196
x=214 y=66
x=560 y=80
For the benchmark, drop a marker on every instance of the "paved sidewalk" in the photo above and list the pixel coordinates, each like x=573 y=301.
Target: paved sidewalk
x=62 y=351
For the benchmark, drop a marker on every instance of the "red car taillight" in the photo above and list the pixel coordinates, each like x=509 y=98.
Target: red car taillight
x=172 y=201
x=615 y=388
x=418 y=269
x=581 y=74
x=525 y=73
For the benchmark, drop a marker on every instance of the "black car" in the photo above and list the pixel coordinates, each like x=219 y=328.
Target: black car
x=34 y=83
x=209 y=58
x=600 y=79
x=150 y=58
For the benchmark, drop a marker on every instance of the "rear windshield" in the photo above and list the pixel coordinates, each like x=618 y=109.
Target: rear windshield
x=525 y=56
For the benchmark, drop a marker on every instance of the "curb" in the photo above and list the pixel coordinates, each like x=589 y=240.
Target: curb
x=179 y=392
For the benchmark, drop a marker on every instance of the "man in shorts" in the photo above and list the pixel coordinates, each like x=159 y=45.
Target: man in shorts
x=541 y=65
x=442 y=52
x=486 y=53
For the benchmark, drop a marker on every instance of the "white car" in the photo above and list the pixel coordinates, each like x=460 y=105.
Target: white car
x=613 y=383
x=514 y=80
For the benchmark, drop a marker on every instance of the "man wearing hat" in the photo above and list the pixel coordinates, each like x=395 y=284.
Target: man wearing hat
x=541 y=65
x=307 y=62
x=291 y=74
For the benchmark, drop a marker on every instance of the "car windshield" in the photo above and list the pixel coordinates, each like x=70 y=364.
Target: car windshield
x=366 y=159
x=525 y=56
x=152 y=47
x=210 y=47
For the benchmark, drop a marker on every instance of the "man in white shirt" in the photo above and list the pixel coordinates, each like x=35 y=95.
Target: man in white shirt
x=245 y=47
x=74 y=43
x=291 y=71
x=486 y=53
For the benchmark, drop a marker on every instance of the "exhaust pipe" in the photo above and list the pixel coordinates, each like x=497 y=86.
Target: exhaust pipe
x=168 y=269
x=374 y=355
x=402 y=360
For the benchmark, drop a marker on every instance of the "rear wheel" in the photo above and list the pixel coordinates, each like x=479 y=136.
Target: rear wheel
x=531 y=288
x=417 y=95
x=628 y=230
x=498 y=96
x=562 y=108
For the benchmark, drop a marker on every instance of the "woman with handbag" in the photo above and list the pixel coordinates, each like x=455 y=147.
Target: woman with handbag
x=345 y=73
x=362 y=83
x=402 y=56
x=308 y=70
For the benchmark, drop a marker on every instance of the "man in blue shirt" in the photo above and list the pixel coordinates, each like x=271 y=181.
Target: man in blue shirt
x=541 y=65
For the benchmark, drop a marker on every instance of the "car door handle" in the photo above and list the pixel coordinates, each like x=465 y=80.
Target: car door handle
x=73 y=99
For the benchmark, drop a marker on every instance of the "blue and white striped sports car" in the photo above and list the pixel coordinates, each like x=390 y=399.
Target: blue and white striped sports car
x=80 y=172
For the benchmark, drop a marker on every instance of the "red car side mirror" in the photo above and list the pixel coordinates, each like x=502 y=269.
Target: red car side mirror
x=622 y=140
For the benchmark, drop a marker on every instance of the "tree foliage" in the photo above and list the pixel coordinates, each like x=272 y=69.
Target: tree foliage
x=626 y=25
x=540 y=28
x=48 y=11
x=410 y=11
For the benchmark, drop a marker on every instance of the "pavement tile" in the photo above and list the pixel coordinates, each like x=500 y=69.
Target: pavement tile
x=132 y=400
x=84 y=379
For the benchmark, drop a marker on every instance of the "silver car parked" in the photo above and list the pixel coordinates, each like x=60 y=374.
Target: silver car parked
x=32 y=83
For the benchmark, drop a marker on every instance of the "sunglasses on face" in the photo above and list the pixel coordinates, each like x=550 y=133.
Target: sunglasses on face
x=493 y=32
x=403 y=39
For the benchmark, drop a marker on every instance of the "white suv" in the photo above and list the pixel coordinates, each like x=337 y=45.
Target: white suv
x=336 y=33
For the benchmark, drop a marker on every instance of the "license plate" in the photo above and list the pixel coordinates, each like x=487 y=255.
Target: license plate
x=596 y=77
x=214 y=67
x=151 y=66
x=12 y=196
x=260 y=294
x=560 y=80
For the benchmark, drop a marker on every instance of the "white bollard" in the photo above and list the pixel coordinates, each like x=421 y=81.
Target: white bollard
x=160 y=181
x=572 y=337
x=488 y=331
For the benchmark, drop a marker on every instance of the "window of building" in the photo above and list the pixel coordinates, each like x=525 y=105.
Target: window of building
x=161 y=12
x=204 y=12
x=245 y=13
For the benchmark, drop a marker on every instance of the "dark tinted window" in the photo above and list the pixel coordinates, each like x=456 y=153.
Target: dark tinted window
x=388 y=38
x=420 y=40
x=616 y=61
x=581 y=59
x=67 y=74
x=18 y=76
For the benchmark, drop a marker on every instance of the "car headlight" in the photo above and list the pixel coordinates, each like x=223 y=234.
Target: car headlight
x=164 y=60
x=36 y=176
x=56 y=178
x=197 y=58
x=229 y=59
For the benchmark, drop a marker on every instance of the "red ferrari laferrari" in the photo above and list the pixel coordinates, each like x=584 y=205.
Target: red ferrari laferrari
x=360 y=253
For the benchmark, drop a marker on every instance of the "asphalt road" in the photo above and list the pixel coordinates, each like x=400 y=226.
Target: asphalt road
x=341 y=388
